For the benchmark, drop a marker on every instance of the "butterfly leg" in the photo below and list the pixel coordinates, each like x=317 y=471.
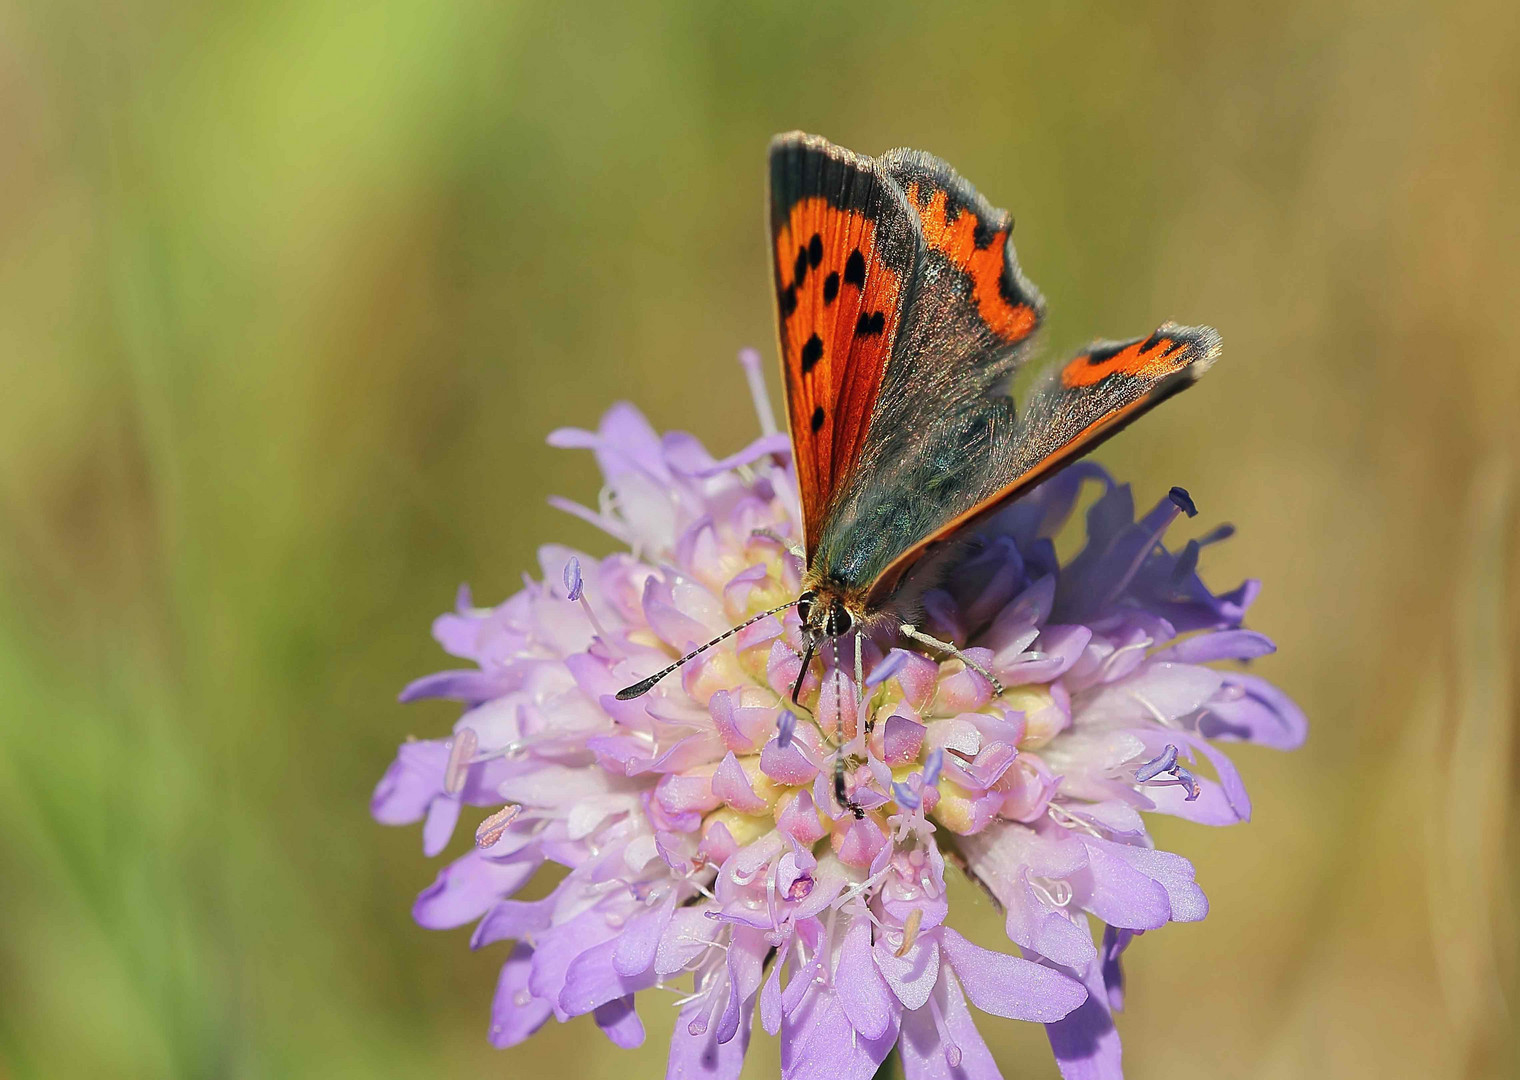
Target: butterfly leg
x=944 y=646
x=772 y=534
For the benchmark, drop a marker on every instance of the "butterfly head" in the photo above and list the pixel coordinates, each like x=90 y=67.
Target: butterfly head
x=824 y=614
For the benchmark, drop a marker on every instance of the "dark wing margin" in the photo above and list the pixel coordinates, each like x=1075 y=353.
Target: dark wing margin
x=844 y=252
x=1073 y=410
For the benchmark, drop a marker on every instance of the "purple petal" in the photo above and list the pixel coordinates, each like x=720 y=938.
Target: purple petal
x=470 y=686
x=640 y=939
x=765 y=446
x=459 y=635
x=466 y=889
x=1009 y=985
x=901 y=740
x=411 y=783
x=1264 y=715
x=1219 y=645
x=1085 y=1042
x=560 y=946
x=863 y=993
x=591 y=980
x=1210 y=807
x=1173 y=873
x=1229 y=778
x=513 y=919
x=788 y=764
x=932 y=765
x=702 y=1056
x=1115 y=941
x=686 y=938
x=620 y=1022
x=442 y=816
x=1033 y=925
x=818 y=1042
x=746 y=966
x=889 y=667
x=1166 y=689
x=731 y=785
x=927 y=1052
x=1062 y=647
x=515 y=1013
x=910 y=976
x=1118 y=893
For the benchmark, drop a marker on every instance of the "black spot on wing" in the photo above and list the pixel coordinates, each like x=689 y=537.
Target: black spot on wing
x=870 y=324
x=815 y=251
x=855 y=269
x=800 y=268
x=812 y=352
x=817 y=421
x=789 y=301
x=831 y=287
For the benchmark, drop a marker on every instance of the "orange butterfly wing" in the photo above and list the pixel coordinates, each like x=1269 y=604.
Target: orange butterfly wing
x=1074 y=409
x=904 y=317
x=845 y=250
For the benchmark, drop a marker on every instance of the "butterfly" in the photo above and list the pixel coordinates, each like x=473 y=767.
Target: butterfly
x=903 y=319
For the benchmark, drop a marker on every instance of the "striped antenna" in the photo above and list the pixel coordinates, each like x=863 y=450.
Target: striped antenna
x=643 y=686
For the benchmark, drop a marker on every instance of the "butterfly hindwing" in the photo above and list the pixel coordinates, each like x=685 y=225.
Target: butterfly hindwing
x=1071 y=411
x=845 y=247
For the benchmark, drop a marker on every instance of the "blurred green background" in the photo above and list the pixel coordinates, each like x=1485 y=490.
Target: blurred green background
x=290 y=294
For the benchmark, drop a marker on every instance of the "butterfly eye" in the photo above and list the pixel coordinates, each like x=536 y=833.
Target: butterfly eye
x=840 y=621
x=805 y=607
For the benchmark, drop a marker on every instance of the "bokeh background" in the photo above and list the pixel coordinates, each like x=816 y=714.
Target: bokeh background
x=291 y=292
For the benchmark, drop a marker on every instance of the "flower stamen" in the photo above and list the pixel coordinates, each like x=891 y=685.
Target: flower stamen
x=493 y=828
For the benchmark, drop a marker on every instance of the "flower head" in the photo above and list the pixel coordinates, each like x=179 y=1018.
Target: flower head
x=756 y=858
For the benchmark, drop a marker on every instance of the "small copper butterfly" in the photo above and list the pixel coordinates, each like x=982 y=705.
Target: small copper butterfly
x=904 y=317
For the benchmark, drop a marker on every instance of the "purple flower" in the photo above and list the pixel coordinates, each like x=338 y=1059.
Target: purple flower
x=706 y=850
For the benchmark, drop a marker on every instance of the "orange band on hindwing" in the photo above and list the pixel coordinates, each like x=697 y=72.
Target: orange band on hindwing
x=1153 y=358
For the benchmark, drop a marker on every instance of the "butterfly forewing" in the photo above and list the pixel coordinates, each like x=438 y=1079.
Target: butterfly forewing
x=844 y=247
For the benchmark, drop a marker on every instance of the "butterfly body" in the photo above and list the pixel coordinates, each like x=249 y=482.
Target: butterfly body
x=904 y=317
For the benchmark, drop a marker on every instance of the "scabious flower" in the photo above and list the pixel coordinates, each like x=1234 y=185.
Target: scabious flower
x=707 y=850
